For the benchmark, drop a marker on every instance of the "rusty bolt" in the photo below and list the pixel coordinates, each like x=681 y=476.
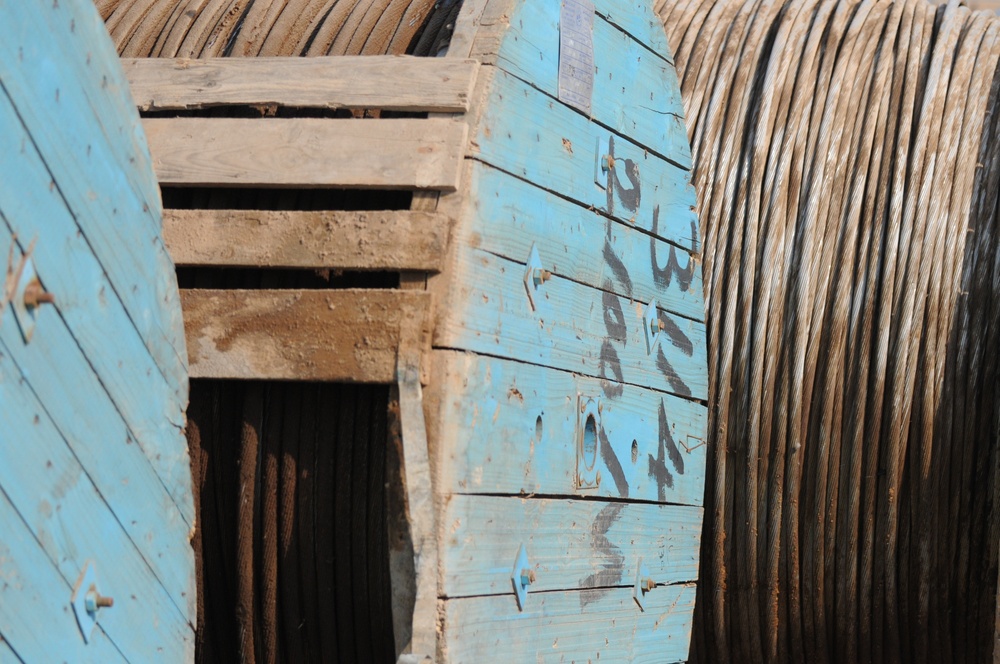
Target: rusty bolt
x=607 y=162
x=598 y=479
x=647 y=585
x=95 y=600
x=35 y=295
x=540 y=276
x=527 y=576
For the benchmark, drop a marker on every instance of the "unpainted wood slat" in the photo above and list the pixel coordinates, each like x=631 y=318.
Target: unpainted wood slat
x=307 y=152
x=332 y=335
x=365 y=240
x=571 y=544
x=581 y=626
x=387 y=82
x=487 y=414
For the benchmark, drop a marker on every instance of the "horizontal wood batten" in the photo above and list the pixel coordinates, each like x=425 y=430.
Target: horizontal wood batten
x=307 y=152
x=349 y=335
x=366 y=240
x=390 y=82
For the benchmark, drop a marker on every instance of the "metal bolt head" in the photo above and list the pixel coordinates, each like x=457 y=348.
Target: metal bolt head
x=527 y=576
x=94 y=601
x=648 y=585
x=35 y=295
x=540 y=276
x=607 y=162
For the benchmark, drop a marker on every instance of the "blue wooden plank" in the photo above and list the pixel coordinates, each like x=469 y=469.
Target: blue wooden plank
x=487 y=431
x=7 y=654
x=35 y=614
x=635 y=92
x=87 y=303
x=573 y=327
x=582 y=626
x=525 y=132
x=92 y=146
x=571 y=544
x=508 y=215
x=69 y=519
x=636 y=17
x=84 y=414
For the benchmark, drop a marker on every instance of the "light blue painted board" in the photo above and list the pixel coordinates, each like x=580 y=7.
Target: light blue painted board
x=508 y=215
x=81 y=137
x=637 y=18
x=101 y=442
x=525 y=132
x=486 y=428
x=35 y=614
x=573 y=328
x=72 y=523
x=86 y=301
x=571 y=544
x=6 y=654
x=635 y=93
x=566 y=627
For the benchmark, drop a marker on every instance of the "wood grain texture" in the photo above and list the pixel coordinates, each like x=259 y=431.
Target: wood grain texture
x=528 y=134
x=35 y=594
x=583 y=626
x=486 y=426
x=335 y=335
x=375 y=240
x=90 y=143
x=571 y=544
x=635 y=94
x=307 y=152
x=490 y=313
x=92 y=427
x=61 y=510
x=507 y=216
x=31 y=207
x=389 y=82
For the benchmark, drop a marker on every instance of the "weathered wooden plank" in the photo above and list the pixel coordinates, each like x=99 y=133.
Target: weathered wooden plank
x=638 y=96
x=307 y=152
x=525 y=132
x=35 y=616
x=6 y=653
x=389 y=82
x=503 y=427
x=571 y=544
x=636 y=17
x=337 y=335
x=583 y=626
x=507 y=216
x=366 y=240
x=572 y=327
x=72 y=523
x=88 y=303
x=83 y=412
x=91 y=155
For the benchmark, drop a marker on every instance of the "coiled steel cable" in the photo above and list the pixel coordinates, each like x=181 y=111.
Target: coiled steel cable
x=847 y=170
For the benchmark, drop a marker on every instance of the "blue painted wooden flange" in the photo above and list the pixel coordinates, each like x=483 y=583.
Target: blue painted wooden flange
x=94 y=470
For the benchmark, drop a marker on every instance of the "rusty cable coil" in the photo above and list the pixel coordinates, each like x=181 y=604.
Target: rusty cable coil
x=847 y=170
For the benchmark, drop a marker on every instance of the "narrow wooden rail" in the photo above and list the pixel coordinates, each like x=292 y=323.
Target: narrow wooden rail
x=391 y=83
x=348 y=240
x=349 y=336
x=307 y=152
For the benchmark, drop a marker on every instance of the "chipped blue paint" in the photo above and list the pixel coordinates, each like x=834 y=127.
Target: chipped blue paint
x=527 y=133
x=489 y=420
x=93 y=461
x=510 y=215
x=569 y=329
x=636 y=92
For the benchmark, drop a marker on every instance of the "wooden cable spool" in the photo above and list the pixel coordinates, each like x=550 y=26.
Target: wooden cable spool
x=845 y=159
x=96 y=505
x=455 y=222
